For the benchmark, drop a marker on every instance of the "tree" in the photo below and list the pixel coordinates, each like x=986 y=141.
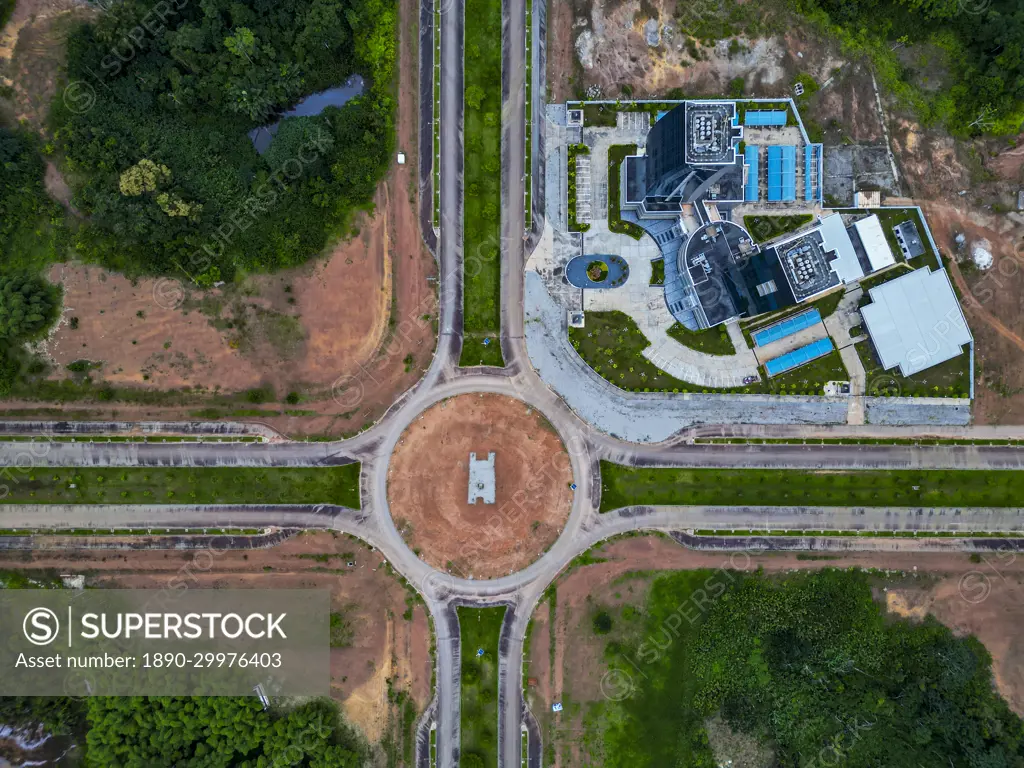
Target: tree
x=474 y=96
x=241 y=43
x=27 y=306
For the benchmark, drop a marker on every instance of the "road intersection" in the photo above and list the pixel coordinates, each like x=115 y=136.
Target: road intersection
x=586 y=445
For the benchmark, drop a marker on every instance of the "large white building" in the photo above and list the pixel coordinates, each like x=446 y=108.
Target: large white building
x=915 y=321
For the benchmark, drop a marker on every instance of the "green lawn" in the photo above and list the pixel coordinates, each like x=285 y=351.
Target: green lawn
x=611 y=344
x=951 y=378
x=658 y=272
x=183 y=485
x=480 y=628
x=616 y=154
x=810 y=379
x=711 y=341
x=765 y=228
x=626 y=486
x=482 y=202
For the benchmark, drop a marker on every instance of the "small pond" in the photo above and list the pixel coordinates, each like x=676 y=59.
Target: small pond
x=597 y=271
x=313 y=104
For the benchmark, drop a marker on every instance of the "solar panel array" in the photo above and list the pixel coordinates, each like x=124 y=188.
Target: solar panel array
x=799 y=357
x=750 y=193
x=787 y=327
x=765 y=117
x=782 y=174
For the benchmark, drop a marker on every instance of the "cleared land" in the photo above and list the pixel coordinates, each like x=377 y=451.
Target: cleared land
x=183 y=485
x=626 y=486
x=428 y=484
x=381 y=669
x=482 y=202
x=479 y=631
x=621 y=713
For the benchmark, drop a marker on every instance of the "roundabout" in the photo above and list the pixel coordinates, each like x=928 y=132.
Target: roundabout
x=429 y=486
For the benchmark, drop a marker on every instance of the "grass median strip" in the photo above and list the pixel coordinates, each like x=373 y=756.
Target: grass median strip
x=482 y=201
x=479 y=629
x=627 y=486
x=182 y=485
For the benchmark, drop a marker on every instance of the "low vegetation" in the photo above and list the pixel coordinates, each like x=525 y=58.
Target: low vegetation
x=479 y=630
x=710 y=341
x=765 y=228
x=482 y=204
x=951 y=378
x=808 y=667
x=658 y=272
x=184 y=485
x=616 y=154
x=612 y=344
x=810 y=378
x=623 y=486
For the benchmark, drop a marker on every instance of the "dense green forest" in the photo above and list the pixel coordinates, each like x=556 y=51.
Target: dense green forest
x=154 y=129
x=982 y=42
x=31 y=235
x=810 y=666
x=217 y=732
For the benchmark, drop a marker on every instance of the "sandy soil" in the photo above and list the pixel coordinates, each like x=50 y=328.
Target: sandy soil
x=591 y=42
x=994 y=305
x=428 y=482
x=384 y=644
x=985 y=598
x=32 y=53
x=349 y=332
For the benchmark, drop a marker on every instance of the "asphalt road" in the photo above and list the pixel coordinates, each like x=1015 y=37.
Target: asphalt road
x=586 y=445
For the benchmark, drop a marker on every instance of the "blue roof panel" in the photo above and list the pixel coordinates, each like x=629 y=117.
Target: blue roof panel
x=750 y=157
x=765 y=117
x=799 y=357
x=787 y=327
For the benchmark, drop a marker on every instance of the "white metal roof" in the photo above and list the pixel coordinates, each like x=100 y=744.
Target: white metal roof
x=915 y=321
x=875 y=245
x=834 y=237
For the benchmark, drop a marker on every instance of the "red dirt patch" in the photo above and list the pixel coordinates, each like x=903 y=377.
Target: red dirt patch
x=384 y=644
x=360 y=322
x=994 y=306
x=428 y=483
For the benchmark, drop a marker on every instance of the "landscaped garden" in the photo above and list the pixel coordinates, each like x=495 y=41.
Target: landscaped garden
x=597 y=271
x=951 y=378
x=765 y=228
x=658 y=272
x=810 y=379
x=479 y=631
x=612 y=344
x=616 y=154
x=482 y=202
x=710 y=341
x=575 y=150
x=623 y=486
x=184 y=485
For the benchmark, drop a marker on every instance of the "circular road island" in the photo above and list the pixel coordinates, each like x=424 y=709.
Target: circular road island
x=521 y=501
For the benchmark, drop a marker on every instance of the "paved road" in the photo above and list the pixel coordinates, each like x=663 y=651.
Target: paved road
x=586 y=445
